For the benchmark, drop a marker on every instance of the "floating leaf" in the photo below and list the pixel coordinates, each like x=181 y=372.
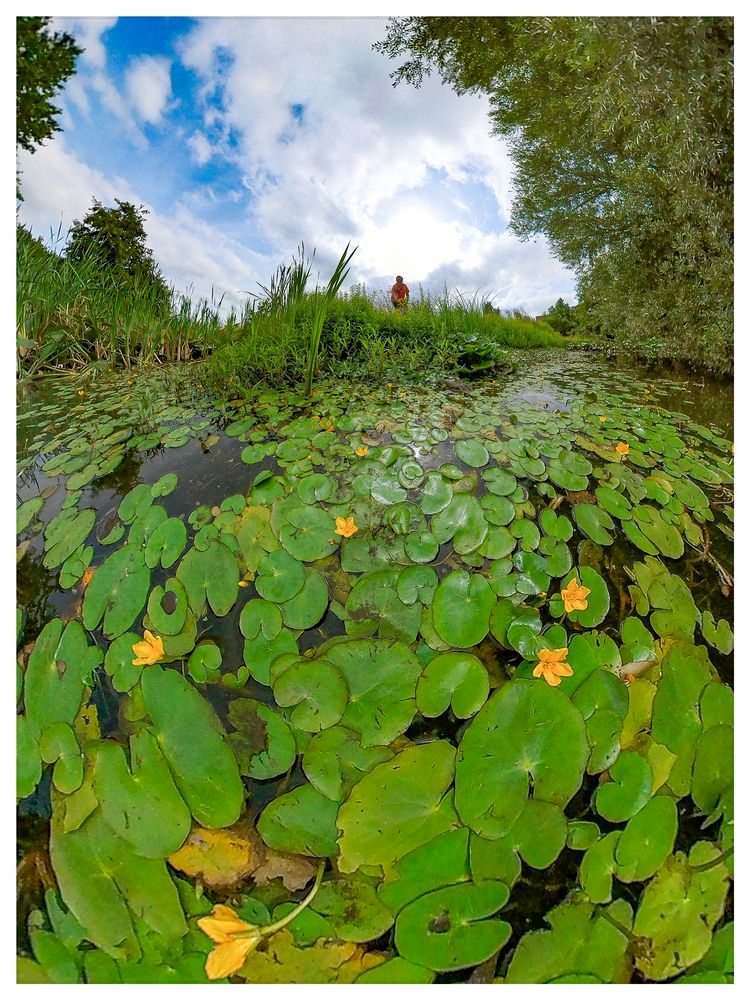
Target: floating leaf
x=493 y=771
x=628 y=791
x=461 y=609
x=300 y=822
x=263 y=742
x=335 y=760
x=280 y=577
x=139 y=799
x=210 y=576
x=455 y=680
x=318 y=691
x=192 y=740
x=447 y=929
x=398 y=806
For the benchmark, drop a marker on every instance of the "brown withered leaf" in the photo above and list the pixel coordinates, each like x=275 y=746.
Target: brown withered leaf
x=294 y=870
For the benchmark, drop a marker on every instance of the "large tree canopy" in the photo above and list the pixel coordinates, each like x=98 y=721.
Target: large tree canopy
x=620 y=130
x=117 y=238
x=44 y=62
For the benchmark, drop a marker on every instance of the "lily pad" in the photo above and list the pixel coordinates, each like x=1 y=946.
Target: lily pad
x=262 y=741
x=280 y=577
x=306 y=608
x=300 y=822
x=461 y=609
x=472 y=453
x=210 y=576
x=448 y=929
x=381 y=677
x=453 y=680
x=628 y=791
x=308 y=534
x=514 y=738
x=316 y=689
x=335 y=760
x=399 y=805
x=192 y=740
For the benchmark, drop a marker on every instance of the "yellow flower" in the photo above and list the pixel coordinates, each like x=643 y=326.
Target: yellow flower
x=235 y=938
x=552 y=665
x=602 y=419
x=81 y=392
x=149 y=650
x=345 y=526
x=574 y=596
x=362 y=451
x=622 y=448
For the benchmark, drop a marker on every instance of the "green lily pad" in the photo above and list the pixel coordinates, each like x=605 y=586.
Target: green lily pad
x=472 y=453
x=166 y=543
x=628 y=791
x=594 y=522
x=440 y=862
x=416 y=583
x=139 y=799
x=436 y=493
x=396 y=970
x=26 y=513
x=374 y=606
x=204 y=663
x=165 y=485
x=192 y=740
x=306 y=608
x=647 y=840
x=135 y=503
x=168 y=608
x=453 y=680
x=581 y=944
x=307 y=534
x=118 y=662
x=381 y=677
x=400 y=805
x=335 y=760
x=58 y=745
x=300 y=822
x=597 y=600
x=212 y=576
x=713 y=767
x=316 y=689
x=28 y=759
x=533 y=577
x=463 y=521
x=614 y=503
x=59 y=667
x=717 y=634
x=461 y=609
x=448 y=929
x=678 y=910
x=516 y=736
x=501 y=482
x=262 y=742
x=598 y=867
x=498 y=510
x=108 y=888
x=66 y=533
x=260 y=653
x=421 y=547
x=280 y=577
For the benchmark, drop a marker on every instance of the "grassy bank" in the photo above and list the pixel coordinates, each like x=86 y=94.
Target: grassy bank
x=79 y=317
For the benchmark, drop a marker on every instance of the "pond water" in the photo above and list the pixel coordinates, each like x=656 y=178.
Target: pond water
x=382 y=614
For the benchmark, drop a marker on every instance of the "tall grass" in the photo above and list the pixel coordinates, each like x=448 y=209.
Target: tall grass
x=79 y=316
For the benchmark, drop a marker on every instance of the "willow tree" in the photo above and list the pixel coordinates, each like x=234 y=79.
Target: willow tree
x=620 y=132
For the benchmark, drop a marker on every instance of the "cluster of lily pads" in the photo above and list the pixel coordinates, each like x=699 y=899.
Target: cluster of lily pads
x=434 y=645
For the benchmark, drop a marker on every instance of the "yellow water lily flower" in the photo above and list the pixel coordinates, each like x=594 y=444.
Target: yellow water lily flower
x=362 y=451
x=574 y=596
x=602 y=418
x=235 y=938
x=148 y=650
x=622 y=448
x=345 y=527
x=552 y=665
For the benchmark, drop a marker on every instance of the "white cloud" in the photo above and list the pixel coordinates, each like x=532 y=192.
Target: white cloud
x=88 y=33
x=149 y=86
x=200 y=147
x=394 y=170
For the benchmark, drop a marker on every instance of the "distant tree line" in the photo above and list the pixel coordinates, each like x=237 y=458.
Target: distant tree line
x=621 y=135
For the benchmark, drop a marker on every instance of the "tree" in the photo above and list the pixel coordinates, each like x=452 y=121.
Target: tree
x=620 y=131
x=116 y=237
x=44 y=62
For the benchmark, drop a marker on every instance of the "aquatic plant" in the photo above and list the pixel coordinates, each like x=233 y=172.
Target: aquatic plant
x=426 y=683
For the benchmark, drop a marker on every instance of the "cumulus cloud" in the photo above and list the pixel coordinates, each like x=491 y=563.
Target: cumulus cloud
x=394 y=170
x=149 y=86
x=89 y=35
x=308 y=141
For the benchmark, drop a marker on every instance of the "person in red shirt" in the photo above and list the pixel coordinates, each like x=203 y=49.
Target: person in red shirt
x=399 y=294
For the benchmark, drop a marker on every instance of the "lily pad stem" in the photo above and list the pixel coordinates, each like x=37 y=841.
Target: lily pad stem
x=634 y=939
x=707 y=865
x=273 y=928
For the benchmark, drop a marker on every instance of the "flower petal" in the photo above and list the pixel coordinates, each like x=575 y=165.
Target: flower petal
x=229 y=957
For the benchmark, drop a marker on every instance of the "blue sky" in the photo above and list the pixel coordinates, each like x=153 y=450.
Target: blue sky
x=245 y=136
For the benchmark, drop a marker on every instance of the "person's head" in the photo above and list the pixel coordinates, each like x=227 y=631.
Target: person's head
x=399 y=280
